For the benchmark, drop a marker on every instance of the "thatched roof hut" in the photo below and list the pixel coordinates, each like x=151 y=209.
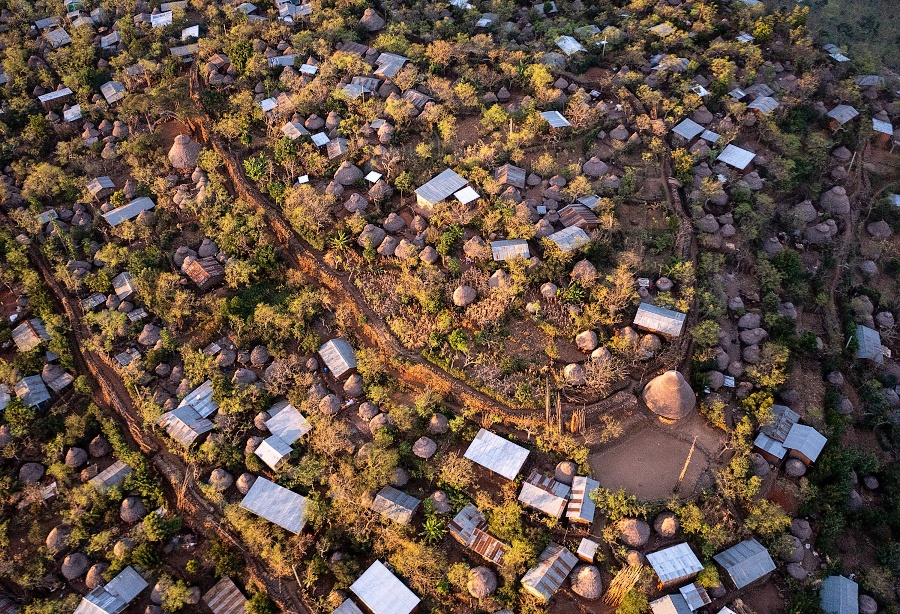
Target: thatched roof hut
x=184 y=152
x=669 y=396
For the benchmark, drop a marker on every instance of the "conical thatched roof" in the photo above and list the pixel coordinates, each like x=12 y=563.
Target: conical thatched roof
x=482 y=582
x=184 y=152
x=669 y=396
x=586 y=582
x=132 y=510
x=74 y=565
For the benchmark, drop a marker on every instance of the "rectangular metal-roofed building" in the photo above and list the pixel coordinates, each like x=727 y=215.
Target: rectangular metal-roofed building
x=115 y=596
x=688 y=129
x=225 y=598
x=287 y=423
x=58 y=37
x=112 y=476
x=54 y=98
x=395 y=504
x=201 y=399
x=161 y=20
x=496 y=453
x=72 y=114
x=123 y=285
x=869 y=80
x=569 y=239
x=839 y=595
x=205 y=272
x=758 y=90
x=842 y=114
x=569 y=45
x=663 y=29
x=273 y=451
x=468 y=528
x=670 y=604
x=552 y=569
x=869 y=342
x=659 y=320
x=382 y=592
x=805 y=443
x=509 y=174
x=32 y=391
x=417 y=98
x=30 y=334
x=129 y=211
x=764 y=105
x=276 y=504
x=555 y=119
x=581 y=507
x=113 y=91
x=511 y=248
x=736 y=157
x=770 y=449
x=294 y=130
x=578 y=215
x=100 y=187
x=745 y=562
x=336 y=148
x=544 y=494
x=695 y=596
x=347 y=607
x=389 y=64
x=439 y=188
x=185 y=425
x=674 y=564
x=338 y=356
x=587 y=550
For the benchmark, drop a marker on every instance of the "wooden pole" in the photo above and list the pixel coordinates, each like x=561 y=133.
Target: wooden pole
x=686 y=463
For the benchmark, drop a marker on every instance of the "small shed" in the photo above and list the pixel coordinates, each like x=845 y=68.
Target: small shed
x=55 y=99
x=112 y=476
x=695 y=596
x=205 y=272
x=544 y=494
x=30 y=334
x=804 y=443
x=469 y=526
x=32 y=391
x=417 y=98
x=662 y=29
x=581 y=507
x=839 y=595
x=336 y=148
x=92 y=301
x=736 y=157
x=294 y=130
x=439 y=189
x=101 y=187
x=185 y=425
x=382 y=592
x=569 y=239
x=57 y=37
x=883 y=131
x=552 y=569
x=511 y=175
x=129 y=211
x=389 y=64
x=587 y=549
x=746 y=562
x=569 y=45
x=287 y=423
x=123 y=285
x=338 y=357
x=675 y=564
x=395 y=504
x=161 y=20
x=72 y=114
x=510 y=248
x=869 y=342
x=670 y=604
x=185 y=52
x=659 y=320
x=841 y=115
x=276 y=504
x=225 y=598
x=555 y=119
x=764 y=105
x=578 y=215
x=113 y=91
x=497 y=454
x=273 y=451
x=115 y=596
x=347 y=607
x=758 y=90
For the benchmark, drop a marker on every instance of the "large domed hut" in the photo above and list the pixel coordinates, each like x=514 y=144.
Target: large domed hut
x=669 y=396
x=184 y=153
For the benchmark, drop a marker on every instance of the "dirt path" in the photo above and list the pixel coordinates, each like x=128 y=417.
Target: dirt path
x=111 y=395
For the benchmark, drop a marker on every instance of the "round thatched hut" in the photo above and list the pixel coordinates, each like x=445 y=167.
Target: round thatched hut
x=669 y=396
x=184 y=153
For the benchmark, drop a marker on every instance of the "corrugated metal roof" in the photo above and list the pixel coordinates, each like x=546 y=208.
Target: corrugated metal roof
x=581 y=506
x=663 y=29
x=113 y=91
x=710 y=136
x=843 y=113
x=555 y=119
x=587 y=549
x=30 y=334
x=201 y=400
x=496 y=453
x=570 y=239
x=287 y=422
x=882 y=127
x=569 y=45
x=545 y=578
x=382 y=592
x=112 y=476
x=335 y=148
x=320 y=139
x=869 y=80
x=509 y=174
x=54 y=95
x=783 y=418
x=389 y=64
x=688 y=129
x=129 y=211
x=466 y=195
x=467 y=527
x=185 y=425
x=338 y=356
x=869 y=341
x=182 y=51
x=417 y=98
x=225 y=598
x=58 y=37
x=93 y=301
x=395 y=504
x=123 y=285
x=115 y=596
x=670 y=604
x=736 y=157
x=511 y=248
x=98 y=184
x=276 y=504
x=347 y=607
x=674 y=563
x=32 y=391
x=544 y=494
x=294 y=130
x=770 y=445
x=758 y=90
x=441 y=187
x=839 y=595
x=127 y=585
x=578 y=215
x=745 y=562
x=695 y=596
x=72 y=113
x=659 y=320
x=764 y=104
x=806 y=440
x=273 y=451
